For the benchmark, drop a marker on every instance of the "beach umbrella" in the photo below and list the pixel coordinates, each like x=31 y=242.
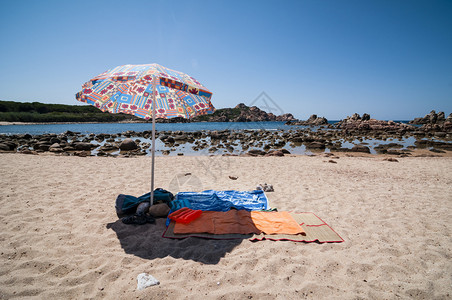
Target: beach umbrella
x=147 y=91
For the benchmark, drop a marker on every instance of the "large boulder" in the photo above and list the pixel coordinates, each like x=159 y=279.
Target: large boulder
x=181 y=137
x=296 y=139
x=170 y=140
x=108 y=147
x=315 y=145
x=128 y=144
x=42 y=145
x=360 y=148
x=56 y=148
x=8 y=146
x=4 y=147
x=275 y=153
x=83 y=146
x=256 y=152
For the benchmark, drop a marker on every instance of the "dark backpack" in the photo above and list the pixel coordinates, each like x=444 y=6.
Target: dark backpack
x=127 y=204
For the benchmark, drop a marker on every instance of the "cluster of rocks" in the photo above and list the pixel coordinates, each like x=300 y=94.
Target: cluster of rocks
x=435 y=135
x=70 y=143
x=229 y=142
x=435 y=122
x=432 y=122
x=432 y=118
x=356 y=122
x=246 y=114
x=312 y=121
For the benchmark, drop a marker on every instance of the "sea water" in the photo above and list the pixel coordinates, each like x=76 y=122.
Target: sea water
x=184 y=148
x=110 y=128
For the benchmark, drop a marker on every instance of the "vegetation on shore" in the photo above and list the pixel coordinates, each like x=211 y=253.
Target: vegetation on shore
x=36 y=112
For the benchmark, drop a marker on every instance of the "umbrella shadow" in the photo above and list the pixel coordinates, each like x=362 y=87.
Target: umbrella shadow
x=146 y=241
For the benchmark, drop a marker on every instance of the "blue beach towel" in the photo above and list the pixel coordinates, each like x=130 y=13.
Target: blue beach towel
x=222 y=200
x=225 y=200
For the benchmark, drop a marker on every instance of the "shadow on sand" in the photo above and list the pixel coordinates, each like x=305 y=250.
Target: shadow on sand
x=146 y=241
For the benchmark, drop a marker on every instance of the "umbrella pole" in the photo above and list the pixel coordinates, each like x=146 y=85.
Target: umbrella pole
x=154 y=86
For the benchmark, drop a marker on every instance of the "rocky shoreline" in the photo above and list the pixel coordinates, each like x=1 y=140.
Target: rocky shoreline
x=313 y=120
x=348 y=135
x=353 y=131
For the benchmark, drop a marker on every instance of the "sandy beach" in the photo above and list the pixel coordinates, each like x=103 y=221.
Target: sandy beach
x=61 y=238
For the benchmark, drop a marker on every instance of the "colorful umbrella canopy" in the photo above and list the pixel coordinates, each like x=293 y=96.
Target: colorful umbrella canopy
x=128 y=89
x=134 y=89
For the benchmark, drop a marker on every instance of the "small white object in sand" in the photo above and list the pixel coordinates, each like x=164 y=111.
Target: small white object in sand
x=145 y=280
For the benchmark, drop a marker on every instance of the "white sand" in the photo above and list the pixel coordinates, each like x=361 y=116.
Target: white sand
x=60 y=237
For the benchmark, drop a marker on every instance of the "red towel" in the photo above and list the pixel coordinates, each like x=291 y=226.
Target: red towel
x=185 y=215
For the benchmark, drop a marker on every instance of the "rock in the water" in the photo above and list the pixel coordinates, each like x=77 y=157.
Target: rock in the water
x=365 y=123
x=315 y=145
x=243 y=113
x=108 y=147
x=256 y=152
x=128 y=144
x=170 y=140
x=275 y=153
x=42 y=145
x=285 y=151
x=6 y=147
x=83 y=146
x=431 y=118
x=82 y=153
x=56 y=148
x=313 y=120
x=360 y=148
x=285 y=118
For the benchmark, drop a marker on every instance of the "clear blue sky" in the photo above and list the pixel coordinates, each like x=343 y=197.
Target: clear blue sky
x=391 y=59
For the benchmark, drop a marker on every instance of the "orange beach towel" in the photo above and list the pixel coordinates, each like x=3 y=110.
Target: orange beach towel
x=242 y=222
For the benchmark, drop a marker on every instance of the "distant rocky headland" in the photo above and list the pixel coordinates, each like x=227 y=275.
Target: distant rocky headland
x=243 y=113
x=312 y=121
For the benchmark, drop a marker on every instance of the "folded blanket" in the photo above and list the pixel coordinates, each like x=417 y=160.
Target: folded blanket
x=242 y=222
